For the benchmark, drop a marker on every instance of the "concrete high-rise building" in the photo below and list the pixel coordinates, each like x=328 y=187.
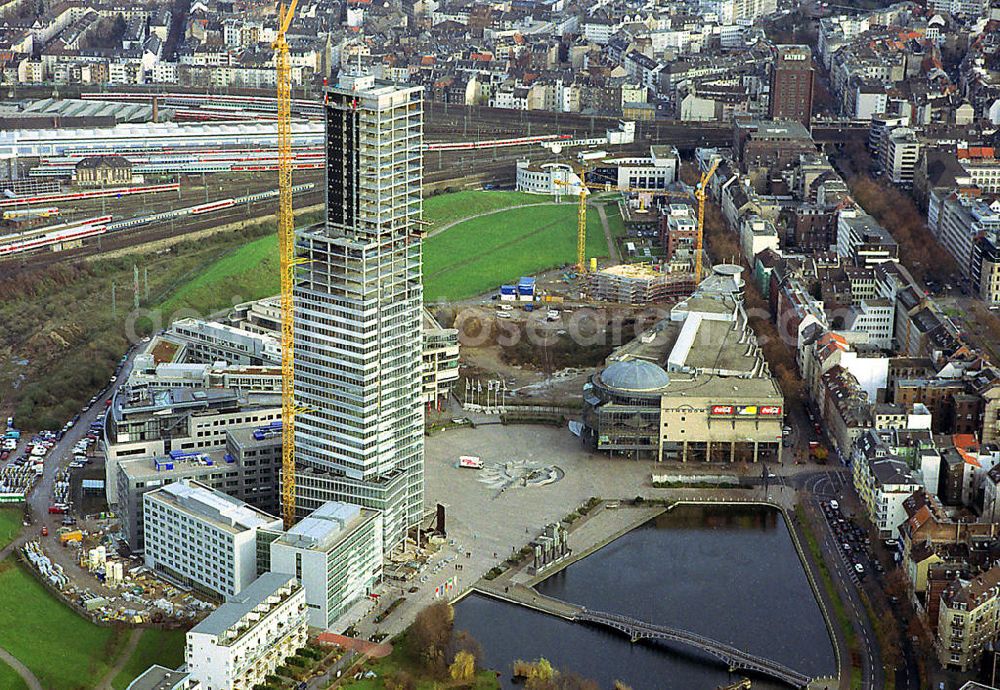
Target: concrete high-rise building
x=792 y=84
x=358 y=306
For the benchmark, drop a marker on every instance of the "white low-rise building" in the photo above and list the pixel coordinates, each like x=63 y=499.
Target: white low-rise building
x=203 y=537
x=555 y=179
x=247 y=638
x=336 y=552
x=657 y=171
x=756 y=235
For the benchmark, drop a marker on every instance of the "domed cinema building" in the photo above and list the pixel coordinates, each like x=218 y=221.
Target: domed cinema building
x=693 y=388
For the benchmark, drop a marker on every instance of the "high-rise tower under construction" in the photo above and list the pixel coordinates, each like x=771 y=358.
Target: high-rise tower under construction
x=358 y=299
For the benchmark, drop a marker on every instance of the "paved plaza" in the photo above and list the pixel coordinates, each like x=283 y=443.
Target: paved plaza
x=486 y=521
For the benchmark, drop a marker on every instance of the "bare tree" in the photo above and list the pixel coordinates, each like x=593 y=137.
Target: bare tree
x=430 y=635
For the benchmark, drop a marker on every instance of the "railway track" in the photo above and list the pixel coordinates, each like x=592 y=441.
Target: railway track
x=126 y=239
x=443 y=169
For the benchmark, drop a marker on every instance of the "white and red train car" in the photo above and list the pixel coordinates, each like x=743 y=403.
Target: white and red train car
x=495 y=143
x=53 y=235
x=212 y=206
x=92 y=194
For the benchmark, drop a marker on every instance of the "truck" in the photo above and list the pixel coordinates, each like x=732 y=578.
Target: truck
x=67 y=537
x=471 y=462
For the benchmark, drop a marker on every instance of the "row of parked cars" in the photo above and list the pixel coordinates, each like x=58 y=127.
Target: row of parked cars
x=82 y=447
x=854 y=541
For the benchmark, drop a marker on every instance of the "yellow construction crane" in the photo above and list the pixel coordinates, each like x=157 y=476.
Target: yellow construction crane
x=581 y=232
x=700 y=193
x=286 y=252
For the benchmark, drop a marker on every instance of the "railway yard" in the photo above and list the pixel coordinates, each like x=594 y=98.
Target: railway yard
x=206 y=185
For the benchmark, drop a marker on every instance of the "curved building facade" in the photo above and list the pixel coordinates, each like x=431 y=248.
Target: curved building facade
x=547 y=178
x=693 y=388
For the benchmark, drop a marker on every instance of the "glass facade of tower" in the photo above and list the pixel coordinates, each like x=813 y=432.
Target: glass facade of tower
x=358 y=300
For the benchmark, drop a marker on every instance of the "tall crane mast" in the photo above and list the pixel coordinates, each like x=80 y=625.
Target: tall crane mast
x=286 y=252
x=581 y=232
x=700 y=193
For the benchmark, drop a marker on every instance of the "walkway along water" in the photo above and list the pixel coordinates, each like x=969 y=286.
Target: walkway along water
x=518 y=588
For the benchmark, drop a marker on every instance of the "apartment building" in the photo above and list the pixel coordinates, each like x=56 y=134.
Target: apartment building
x=243 y=641
x=957 y=218
x=985 y=272
x=968 y=619
x=203 y=537
x=982 y=167
x=862 y=240
x=883 y=483
x=898 y=156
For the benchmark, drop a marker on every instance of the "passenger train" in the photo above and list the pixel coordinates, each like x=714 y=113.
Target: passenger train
x=92 y=194
x=56 y=234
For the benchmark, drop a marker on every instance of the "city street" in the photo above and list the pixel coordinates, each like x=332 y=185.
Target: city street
x=835 y=486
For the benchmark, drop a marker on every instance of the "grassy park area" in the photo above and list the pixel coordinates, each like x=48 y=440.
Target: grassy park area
x=10 y=525
x=62 y=649
x=443 y=209
x=252 y=270
x=163 y=647
x=615 y=222
x=482 y=253
x=9 y=680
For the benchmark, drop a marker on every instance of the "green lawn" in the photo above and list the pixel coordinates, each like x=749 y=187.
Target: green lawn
x=247 y=273
x=615 y=222
x=62 y=649
x=10 y=525
x=9 y=680
x=483 y=253
x=447 y=208
x=163 y=647
x=465 y=260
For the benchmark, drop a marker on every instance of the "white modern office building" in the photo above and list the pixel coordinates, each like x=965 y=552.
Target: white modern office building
x=358 y=306
x=203 y=537
x=336 y=553
x=244 y=640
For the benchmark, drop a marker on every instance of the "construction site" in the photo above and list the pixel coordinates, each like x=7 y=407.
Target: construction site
x=119 y=189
